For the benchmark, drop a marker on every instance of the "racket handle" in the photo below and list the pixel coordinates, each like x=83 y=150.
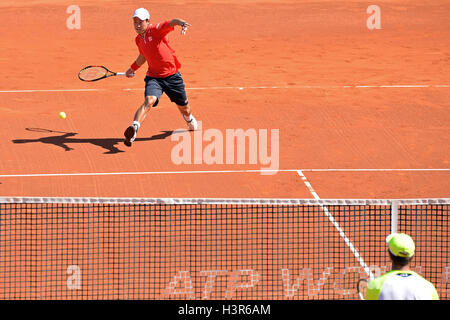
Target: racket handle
x=123 y=74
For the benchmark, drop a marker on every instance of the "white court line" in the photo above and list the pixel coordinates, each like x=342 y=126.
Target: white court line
x=308 y=185
x=312 y=87
x=51 y=90
x=211 y=172
x=246 y=87
x=336 y=225
x=375 y=170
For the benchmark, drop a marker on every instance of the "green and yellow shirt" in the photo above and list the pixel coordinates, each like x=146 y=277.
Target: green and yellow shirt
x=401 y=285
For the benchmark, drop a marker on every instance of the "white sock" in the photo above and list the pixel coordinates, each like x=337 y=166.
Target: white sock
x=188 y=118
x=136 y=124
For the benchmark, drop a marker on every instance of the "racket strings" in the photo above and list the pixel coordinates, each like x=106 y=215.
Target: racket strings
x=93 y=73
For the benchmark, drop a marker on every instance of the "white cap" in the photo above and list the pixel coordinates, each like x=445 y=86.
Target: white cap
x=142 y=14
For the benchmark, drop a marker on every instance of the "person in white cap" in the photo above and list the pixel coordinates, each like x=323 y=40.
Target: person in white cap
x=401 y=283
x=162 y=74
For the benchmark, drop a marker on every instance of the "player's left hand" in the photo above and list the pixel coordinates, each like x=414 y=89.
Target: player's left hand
x=184 y=27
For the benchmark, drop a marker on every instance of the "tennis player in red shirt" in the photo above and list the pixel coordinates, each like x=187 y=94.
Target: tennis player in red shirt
x=162 y=74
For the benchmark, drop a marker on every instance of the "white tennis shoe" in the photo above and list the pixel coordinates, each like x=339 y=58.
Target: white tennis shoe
x=192 y=124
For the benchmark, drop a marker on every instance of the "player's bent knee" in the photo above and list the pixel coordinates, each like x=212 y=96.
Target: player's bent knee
x=150 y=101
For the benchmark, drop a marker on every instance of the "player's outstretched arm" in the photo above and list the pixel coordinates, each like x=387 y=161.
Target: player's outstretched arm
x=179 y=22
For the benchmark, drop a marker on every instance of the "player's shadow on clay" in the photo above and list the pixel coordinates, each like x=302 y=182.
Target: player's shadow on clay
x=63 y=139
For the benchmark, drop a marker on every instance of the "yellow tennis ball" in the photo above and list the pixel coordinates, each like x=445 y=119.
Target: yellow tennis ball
x=62 y=115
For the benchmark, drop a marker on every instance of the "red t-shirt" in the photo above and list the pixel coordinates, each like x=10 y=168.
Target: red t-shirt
x=155 y=47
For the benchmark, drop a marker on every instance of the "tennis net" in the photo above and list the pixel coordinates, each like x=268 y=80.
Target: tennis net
x=246 y=249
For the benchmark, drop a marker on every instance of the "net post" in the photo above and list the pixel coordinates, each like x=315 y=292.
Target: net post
x=394 y=216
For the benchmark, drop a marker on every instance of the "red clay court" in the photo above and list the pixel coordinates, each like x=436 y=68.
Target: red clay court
x=361 y=114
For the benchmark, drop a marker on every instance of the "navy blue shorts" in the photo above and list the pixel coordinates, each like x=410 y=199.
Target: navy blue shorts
x=173 y=86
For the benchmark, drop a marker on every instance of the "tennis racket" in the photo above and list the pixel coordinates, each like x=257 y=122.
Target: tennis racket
x=361 y=286
x=95 y=73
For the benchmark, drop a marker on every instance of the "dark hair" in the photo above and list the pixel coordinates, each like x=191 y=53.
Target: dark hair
x=399 y=261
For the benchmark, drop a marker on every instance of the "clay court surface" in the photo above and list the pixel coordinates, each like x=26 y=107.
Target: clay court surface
x=361 y=114
x=368 y=110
